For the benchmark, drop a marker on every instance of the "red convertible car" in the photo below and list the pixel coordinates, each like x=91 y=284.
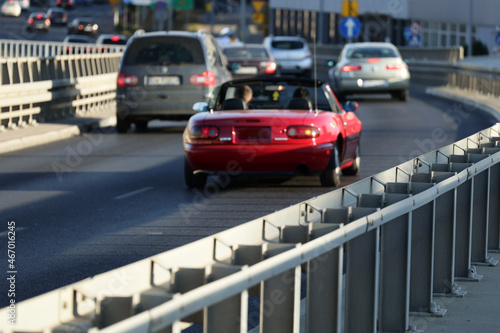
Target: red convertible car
x=289 y=126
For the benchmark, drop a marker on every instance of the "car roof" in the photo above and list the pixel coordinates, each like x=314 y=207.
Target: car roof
x=276 y=79
x=370 y=44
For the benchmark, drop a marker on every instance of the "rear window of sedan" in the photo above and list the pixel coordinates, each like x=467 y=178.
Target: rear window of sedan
x=287 y=44
x=379 y=52
x=247 y=53
x=165 y=51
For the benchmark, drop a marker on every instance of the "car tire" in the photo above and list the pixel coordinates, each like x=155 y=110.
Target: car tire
x=141 y=125
x=331 y=175
x=353 y=170
x=194 y=180
x=122 y=125
x=402 y=95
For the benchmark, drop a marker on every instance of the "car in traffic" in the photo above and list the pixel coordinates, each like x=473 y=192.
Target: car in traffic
x=38 y=21
x=246 y=60
x=77 y=44
x=67 y=4
x=292 y=126
x=111 y=42
x=57 y=15
x=25 y=4
x=163 y=73
x=11 y=8
x=292 y=54
x=83 y=26
x=371 y=67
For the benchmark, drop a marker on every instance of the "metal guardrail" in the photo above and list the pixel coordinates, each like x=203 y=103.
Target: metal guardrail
x=359 y=259
x=46 y=49
x=34 y=89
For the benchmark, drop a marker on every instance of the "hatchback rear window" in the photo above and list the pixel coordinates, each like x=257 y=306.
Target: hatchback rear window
x=287 y=44
x=165 y=51
x=379 y=52
x=247 y=53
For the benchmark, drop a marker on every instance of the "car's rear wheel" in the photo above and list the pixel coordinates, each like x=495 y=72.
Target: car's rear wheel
x=141 y=125
x=331 y=175
x=122 y=125
x=193 y=180
x=402 y=95
x=353 y=170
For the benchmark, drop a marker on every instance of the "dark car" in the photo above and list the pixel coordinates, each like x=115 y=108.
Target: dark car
x=38 y=21
x=162 y=74
x=247 y=60
x=68 y=4
x=57 y=15
x=111 y=42
x=83 y=26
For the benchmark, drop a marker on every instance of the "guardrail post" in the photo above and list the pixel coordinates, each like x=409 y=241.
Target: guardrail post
x=444 y=239
x=184 y=280
x=494 y=206
x=362 y=272
x=280 y=297
x=230 y=315
x=395 y=270
x=480 y=204
x=324 y=286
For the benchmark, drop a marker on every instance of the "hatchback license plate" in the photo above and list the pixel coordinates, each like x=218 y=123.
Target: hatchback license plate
x=163 y=81
x=253 y=134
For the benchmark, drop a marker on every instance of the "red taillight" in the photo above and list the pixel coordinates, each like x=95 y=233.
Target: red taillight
x=270 y=67
x=30 y=21
x=80 y=27
x=47 y=21
x=115 y=39
x=350 y=68
x=207 y=79
x=125 y=80
x=204 y=132
x=58 y=2
x=302 y=132
x=395 y=66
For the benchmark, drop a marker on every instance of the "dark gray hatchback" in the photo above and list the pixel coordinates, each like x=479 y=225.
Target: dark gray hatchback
x=162 y=74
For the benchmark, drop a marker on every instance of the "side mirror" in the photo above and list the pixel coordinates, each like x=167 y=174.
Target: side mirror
x=331 y=63
x=350 y=106
x=200 y=107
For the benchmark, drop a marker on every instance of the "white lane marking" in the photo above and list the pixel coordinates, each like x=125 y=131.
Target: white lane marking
x=4 y=234
x=129 y=194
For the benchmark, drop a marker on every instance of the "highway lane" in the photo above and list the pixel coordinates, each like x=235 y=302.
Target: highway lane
x=15 y=27
x=89 y=204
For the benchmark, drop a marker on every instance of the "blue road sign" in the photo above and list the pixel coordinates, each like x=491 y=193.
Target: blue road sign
x=407 y=33
x=350 y=27
x=497 y=38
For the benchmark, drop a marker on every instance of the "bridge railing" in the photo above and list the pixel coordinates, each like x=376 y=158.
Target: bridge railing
x=362 y=258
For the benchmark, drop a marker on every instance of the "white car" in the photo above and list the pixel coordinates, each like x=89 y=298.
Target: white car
x=292 y=54
x=11 y=8
x=370 y=67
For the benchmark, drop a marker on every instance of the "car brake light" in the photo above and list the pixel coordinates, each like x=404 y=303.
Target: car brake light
x=125 y=80
x=302 y=132
x=373 y=60
x=394 y=66
x=80 y=27
x=30 y=21
x=47 y=21
x=270 y=67
x=207 y=79
x=204 y=132
x=115 y=39
x=350 y=68
x=39 y=16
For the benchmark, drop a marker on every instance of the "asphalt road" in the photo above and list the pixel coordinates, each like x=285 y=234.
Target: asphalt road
x=89 y=204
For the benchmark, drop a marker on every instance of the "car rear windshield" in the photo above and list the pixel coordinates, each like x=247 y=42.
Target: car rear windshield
x=287 y=44
x=375 y=52
x=246 y=53
x=165 y=51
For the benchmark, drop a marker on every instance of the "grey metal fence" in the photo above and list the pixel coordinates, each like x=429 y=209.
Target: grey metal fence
x=359 y=259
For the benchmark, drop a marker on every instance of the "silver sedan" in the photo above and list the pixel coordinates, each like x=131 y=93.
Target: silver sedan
x=370 y=67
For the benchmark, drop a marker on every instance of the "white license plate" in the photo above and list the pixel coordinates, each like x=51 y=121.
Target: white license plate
x=163 y=81
x=247 y=70
x=372 y=83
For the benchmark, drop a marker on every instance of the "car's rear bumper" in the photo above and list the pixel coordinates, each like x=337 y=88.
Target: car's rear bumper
x=357 y=85
x=236 y=159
